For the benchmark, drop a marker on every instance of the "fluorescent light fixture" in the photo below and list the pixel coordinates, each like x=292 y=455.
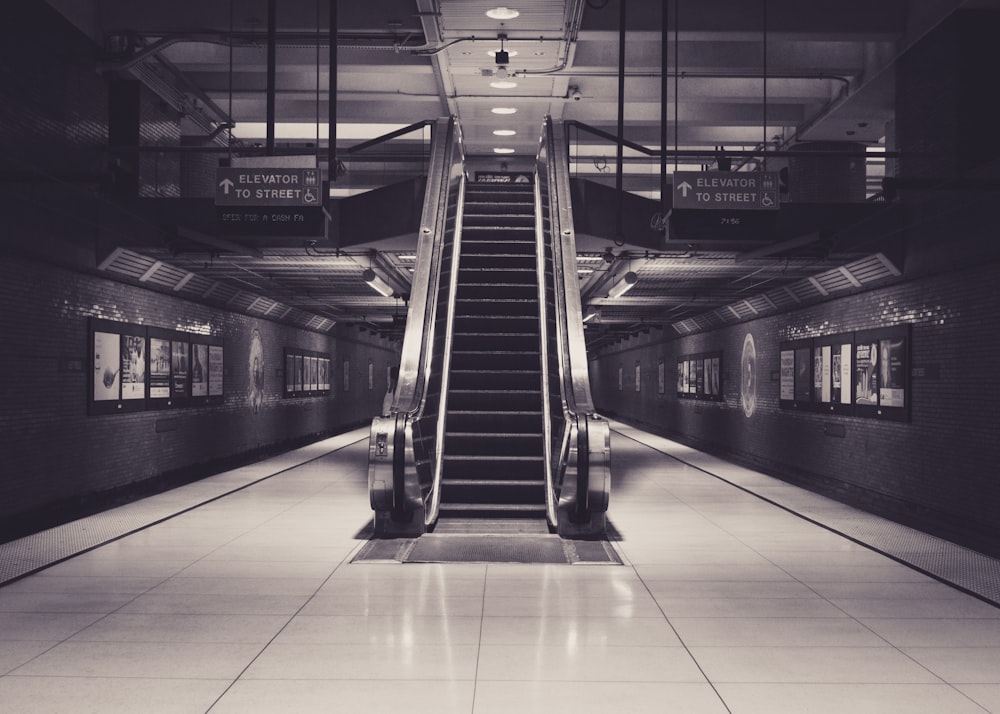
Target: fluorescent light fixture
x=502 y=13
x=590 y=314
x=626 y=283
x=377 y=284
x=499 y=150
x=408 y=256
x=503 y=84
x=510 y=53
x=351 y=131
x=504 y=132
x=504 y=110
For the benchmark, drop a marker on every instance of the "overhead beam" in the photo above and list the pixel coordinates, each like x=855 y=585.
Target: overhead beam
x=221 y=243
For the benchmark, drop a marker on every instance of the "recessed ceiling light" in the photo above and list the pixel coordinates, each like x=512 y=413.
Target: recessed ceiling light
x=502 y=13
x=504 y=110
x=504 y=132
x=503 y=84
x=503 y=151
x=510 y=53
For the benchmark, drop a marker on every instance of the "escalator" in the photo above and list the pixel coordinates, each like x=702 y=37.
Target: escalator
x=492 y=428
x=494 y=453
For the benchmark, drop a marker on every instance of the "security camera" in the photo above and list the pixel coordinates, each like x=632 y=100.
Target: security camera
x=574 y=94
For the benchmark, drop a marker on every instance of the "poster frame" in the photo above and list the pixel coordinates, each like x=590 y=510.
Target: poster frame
x=800 y=400
x=833 y=342
x=702 y=376
x=303 y=375
x=120 y=329
x=876 y=336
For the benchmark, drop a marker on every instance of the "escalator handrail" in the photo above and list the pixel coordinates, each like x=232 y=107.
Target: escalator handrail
x=551 y=510
x=444 y=176
x=434 y=497
x=575 y=376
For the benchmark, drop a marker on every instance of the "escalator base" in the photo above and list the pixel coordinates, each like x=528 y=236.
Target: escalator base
x=540 y=549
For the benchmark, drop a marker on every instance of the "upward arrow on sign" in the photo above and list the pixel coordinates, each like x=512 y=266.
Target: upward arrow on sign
x=226 y=185
x=684 y=188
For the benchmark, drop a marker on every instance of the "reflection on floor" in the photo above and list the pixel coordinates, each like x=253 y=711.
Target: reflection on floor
x=726 y=603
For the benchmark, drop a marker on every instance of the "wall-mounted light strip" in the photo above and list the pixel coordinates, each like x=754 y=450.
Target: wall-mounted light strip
x=626 y=283
x=377 y=284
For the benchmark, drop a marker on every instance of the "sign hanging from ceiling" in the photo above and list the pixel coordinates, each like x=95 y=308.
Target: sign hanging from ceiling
x=724 y=190
x=262 y=186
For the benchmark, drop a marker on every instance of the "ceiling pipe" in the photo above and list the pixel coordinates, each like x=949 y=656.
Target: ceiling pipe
x=620 y=148
x=272 y=70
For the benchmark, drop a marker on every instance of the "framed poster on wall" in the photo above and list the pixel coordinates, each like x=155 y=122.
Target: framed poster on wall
x=118 y=359
x=700 y=376
x=216 y=371
x=800 y=376
x=834 y=388
x=324 y=374
x=199 y=370
x=882 y=372
x=159 y=367
x=180 y=374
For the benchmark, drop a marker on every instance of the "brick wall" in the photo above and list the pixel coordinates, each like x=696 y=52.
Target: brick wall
x=56 y=458
x=937 y=471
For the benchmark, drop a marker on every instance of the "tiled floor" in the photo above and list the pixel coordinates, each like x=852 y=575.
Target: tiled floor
x=726 y=603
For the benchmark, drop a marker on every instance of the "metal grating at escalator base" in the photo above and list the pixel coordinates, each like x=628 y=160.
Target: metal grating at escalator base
x=539 y=549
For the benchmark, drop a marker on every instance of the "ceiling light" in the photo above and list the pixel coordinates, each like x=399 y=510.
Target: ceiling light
x=377 y=284
x=591 y=313
x=504 y=110
x=493 y=53
x=626 y=283
x=504 y=132
x=502 y=13
x=503 y=84
x=499 y=150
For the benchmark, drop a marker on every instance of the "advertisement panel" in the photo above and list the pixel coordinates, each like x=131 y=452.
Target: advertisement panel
x=107 y=366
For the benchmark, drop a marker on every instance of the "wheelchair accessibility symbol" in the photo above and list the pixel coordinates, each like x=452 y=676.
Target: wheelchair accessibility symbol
x=768 y=199
x=309 y=196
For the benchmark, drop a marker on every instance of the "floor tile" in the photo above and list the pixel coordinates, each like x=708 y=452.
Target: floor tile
x=183 y=660
x=847 y=665
x=960 y=665
x=532 y=697
x=310 y=695
x=586 y=663
x=108 y=695
x=43 y=626
x=572 y=632
x=774 y=632
x=856 y=698
x=926 y=632
x=245 y=603
x=389 y=661
x=15 y=653
x=231 y=629
x=382 y=630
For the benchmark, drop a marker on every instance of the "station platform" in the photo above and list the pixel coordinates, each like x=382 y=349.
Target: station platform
x=736 y=593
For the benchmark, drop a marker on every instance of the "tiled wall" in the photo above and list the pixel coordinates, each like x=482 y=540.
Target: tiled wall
x=938 y=469
x=55 y=456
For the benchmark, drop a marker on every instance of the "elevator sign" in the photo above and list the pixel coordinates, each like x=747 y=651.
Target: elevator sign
x=724 y=190
x=261 y=186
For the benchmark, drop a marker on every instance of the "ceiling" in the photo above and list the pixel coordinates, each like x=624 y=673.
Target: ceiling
x=829 y=78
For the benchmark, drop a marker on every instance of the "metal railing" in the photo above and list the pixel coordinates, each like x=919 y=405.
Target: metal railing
x=405 y=445
x=581 y=460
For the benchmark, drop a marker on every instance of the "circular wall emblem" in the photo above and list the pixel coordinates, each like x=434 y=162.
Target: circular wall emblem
x=255 y=366
x=748 y=376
